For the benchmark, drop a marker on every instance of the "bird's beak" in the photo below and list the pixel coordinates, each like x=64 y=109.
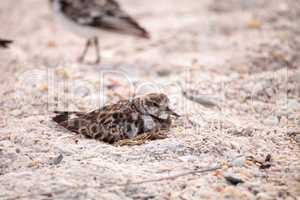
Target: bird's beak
x=171 y=112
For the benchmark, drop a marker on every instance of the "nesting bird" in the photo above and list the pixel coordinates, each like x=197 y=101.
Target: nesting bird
x=91 y=18
x=4 y=43
x=124 y=120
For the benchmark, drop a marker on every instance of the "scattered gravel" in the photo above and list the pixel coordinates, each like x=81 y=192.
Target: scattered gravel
x=241 y=55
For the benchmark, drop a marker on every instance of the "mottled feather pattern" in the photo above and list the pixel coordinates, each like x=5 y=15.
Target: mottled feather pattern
x=123 y=120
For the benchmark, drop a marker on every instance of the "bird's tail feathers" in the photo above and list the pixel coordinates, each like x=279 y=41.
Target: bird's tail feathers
x=62 y=116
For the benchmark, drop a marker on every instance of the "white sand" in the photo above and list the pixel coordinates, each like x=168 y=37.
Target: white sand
x=243 y=55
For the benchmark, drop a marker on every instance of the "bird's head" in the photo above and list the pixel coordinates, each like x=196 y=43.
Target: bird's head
x=156 y=105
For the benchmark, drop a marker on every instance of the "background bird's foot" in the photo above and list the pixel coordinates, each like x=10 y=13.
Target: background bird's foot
x=93 y=62
x=82 y=61
x=97 y=61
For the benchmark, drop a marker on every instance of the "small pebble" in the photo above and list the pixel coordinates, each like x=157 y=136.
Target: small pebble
x=233 y=180
x=18 y=150
x=57 y=160
x=254 y=24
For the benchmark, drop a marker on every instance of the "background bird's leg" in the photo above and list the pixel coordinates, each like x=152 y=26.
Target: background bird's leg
x=97 y=48
x=86 y=48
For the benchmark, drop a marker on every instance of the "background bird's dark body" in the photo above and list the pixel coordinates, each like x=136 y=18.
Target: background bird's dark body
x=5 y=43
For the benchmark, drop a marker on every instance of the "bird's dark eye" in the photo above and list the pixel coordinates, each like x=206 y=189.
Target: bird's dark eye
x=156 y=104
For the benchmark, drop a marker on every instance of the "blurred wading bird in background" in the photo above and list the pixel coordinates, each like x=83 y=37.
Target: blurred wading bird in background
x=125 y=119
x=89 y=18
x=4 y=43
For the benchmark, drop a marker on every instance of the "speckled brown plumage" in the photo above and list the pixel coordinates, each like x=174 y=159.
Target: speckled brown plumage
x=123 y=120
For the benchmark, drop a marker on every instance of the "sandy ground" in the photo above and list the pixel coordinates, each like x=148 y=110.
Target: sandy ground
x=231 y=68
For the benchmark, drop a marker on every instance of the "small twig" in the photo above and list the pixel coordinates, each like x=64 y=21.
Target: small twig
x=52 y=193
x=174 y=176
x=202 y=100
